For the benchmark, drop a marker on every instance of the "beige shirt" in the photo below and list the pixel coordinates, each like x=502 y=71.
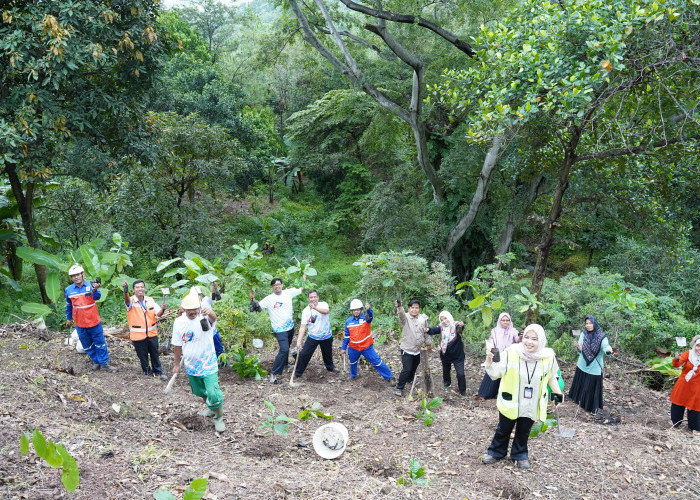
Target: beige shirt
x=412 y=335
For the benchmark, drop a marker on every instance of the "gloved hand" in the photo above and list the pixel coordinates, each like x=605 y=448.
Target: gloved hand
x=557 y=398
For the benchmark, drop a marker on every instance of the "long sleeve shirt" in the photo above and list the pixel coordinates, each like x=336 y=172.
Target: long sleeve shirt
x=413 y=335
x=597 y=365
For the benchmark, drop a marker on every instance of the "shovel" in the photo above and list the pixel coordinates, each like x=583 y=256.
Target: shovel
x=168 y=388
x=565 y=433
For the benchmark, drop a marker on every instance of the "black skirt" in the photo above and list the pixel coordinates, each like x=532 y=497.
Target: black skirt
x=587 y=390
x=489 y=388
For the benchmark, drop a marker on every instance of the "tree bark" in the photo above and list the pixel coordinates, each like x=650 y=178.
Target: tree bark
x=24 y=205
x=482 y=187
x=545 y=245
x=519 y=206
x=428 y=388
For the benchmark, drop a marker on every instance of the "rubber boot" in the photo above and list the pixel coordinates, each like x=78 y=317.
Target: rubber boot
x=206 y=412
x=219 y=425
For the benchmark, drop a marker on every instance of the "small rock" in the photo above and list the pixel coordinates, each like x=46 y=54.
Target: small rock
x=386 y=489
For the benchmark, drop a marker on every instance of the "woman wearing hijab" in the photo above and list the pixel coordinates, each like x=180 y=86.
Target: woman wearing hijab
x=525 y=370
x=451 y=350
x=587 y=386
x=503 y=335
x=686 y=393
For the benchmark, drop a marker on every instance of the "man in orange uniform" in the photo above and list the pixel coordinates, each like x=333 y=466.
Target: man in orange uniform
x=358 y=342
x=141 y=313
x=81 y=309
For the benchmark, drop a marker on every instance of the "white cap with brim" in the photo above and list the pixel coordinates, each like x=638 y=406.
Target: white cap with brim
x=191 y=301
x=330 y=440
x=75 y=269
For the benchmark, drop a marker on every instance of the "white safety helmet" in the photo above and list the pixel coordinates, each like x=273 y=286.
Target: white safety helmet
x=75 y=269
x=330 y=440
x=355 y=304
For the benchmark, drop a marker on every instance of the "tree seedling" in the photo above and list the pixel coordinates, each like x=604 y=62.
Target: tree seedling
x=278 y=424
x=426 y=412
x=195 y=491
x=416 y=474
x=55 y=456
x=244 y=365
x=313 y=411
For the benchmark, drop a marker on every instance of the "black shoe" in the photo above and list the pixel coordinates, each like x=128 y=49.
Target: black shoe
x=335 y=369
x=488 y=459
x=109 y=368
x=274 y=380
x=523 y=464
x=95 y=367
x=398 y=392
x=162 y=376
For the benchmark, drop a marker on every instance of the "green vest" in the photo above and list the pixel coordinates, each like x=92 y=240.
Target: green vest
x=509 y=390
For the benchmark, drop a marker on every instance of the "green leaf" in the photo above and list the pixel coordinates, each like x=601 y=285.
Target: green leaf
x=293 y=269
x=70 y=477
x=90 y=260
x=304 y=414
x=53 y=286
x=40 y=310
x=270 y=406
x=24 y=443
x=166 y=263
x=53 y=457
x=320 y=414
x=196 y=489
x=207 y=278
x=179 y=284
x=281 y=429
x=496 y=304
x=39 y=444
x=36 y=256
x=434 y=403
x=310 y=271
x=476 y=301
x=486 y=315
x=163 y=495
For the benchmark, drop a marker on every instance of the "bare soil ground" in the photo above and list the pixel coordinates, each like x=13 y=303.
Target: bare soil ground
x=156 y=440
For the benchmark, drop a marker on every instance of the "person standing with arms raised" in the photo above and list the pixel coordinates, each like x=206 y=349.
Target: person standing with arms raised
x=81 y=309
x=280 y=307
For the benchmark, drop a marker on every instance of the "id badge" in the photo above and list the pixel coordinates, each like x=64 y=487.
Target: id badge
x=527 y=393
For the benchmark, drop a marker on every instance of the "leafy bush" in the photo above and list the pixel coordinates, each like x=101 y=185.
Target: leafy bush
x=244 y=365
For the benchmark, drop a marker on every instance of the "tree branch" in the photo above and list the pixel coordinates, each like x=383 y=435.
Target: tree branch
x=411 y=19
x=613 y=153
x=371 y=46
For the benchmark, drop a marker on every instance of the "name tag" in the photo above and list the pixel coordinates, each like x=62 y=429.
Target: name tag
x=527 y=393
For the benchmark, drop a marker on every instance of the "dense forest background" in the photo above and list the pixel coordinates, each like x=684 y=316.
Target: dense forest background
x=480 y=156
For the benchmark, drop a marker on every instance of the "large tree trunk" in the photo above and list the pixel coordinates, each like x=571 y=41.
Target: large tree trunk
x=24 y=204
x=519 y=205
x=545 y=245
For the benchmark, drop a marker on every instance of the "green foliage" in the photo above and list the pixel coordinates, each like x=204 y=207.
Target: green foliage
x=277 y=423
x=313 y=411
x=665 y=366
x=415 y=476
x=243 y=364
x=403 y=275
x=426 y=412
x=195 y=491
x=55 y=456
x=478 y=303
x=540 y=427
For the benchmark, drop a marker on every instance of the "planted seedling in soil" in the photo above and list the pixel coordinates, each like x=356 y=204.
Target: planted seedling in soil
x=426 y=412
x=55 y=456
x=416 y=474
x=195 y=491
x=313 y=411
x=278 y=424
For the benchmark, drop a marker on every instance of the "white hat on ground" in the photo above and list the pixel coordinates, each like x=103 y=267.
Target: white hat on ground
x=330 y=440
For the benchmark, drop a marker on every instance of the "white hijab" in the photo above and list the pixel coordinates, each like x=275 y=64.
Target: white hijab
x=541 y=352
x=693 y=358
x=447 y=333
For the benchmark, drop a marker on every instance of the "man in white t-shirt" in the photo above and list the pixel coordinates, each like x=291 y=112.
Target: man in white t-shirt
x=192 y=339
x=316 y=319
x=280 y=307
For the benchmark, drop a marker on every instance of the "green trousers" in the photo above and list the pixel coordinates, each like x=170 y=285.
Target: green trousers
x=207 y=387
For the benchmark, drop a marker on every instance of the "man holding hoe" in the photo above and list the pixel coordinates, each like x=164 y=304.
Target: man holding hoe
x=192 y=339
x=316 y=319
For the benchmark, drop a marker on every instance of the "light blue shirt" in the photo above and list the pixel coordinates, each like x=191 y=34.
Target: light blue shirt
x=596 y=366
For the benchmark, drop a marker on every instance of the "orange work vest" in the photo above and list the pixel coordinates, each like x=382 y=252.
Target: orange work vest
x=85 y=313
x=142 y=323
x=360 y=335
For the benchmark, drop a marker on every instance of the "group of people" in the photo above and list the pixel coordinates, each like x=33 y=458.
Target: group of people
x=522 y=373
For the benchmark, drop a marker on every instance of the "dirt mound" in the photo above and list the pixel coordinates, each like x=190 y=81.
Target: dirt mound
x=130 y=439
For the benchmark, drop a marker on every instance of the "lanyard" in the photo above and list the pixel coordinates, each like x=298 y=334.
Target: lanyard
x=530 y=375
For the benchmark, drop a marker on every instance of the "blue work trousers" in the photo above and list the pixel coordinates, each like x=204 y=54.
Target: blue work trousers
x=372 y=357
x=93 y=341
